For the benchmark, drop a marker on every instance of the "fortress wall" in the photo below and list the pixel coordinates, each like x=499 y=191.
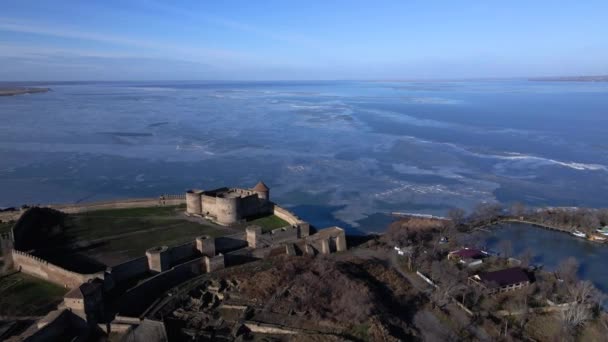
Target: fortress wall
x=209 y=207
x=137 y=299
x=286 y=215
x=194 y=202
x=182 y=252
x=282 y=234
x=214 y=263
x=225 y=244
x=40 y=268
x=227 y=210
x=252 y=205
x=129 y=269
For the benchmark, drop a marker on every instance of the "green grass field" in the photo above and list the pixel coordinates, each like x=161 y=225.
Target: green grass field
x=24 y=295
x=144 y=228
x=136 y=245
x=104 y=223
x=269 y=223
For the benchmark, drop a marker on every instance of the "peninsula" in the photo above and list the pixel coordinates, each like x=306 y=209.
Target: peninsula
x=11 y=91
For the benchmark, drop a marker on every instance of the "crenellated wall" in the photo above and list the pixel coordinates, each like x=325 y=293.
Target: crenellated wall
x=40 y=268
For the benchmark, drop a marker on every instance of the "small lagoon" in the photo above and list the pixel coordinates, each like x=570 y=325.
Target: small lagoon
x=549 y=248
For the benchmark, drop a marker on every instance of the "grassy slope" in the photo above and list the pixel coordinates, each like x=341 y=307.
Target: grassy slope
x=101 y=224
x=24 y=295
x=136 y=246
x=269 y=222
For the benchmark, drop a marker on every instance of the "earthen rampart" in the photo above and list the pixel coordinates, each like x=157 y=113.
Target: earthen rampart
x=169 y=200
x=164 y=200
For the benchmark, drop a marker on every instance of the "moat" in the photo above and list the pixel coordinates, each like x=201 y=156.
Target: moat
x=549 y=248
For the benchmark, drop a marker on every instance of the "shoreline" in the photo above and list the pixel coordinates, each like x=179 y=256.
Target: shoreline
x=545 y=226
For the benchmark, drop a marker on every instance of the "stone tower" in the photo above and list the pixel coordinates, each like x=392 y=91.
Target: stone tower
x=262 y=190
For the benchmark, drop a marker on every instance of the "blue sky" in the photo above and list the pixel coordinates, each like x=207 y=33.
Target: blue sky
x=268 y=40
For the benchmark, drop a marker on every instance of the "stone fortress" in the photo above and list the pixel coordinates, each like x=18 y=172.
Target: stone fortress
x=227 y=206
x=164 y=267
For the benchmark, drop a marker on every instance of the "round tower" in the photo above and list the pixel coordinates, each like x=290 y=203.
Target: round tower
x=193 y=202
x=262 y=190
x=227 y=210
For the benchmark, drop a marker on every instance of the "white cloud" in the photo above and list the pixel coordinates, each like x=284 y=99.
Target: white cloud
x=159 y=47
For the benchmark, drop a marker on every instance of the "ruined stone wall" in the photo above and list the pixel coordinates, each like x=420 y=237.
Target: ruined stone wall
x=130 y=269
x=40 y=268
x=257 y=239
x=137 y=299
x=283 y=234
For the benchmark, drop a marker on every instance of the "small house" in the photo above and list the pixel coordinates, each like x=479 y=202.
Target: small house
x=506 y=280
x=468 y=256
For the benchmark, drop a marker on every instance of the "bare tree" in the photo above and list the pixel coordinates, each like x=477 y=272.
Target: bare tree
x=449 y=279
x=526 y=258
x=518 y=210
x=457 y=216
x=575 y=315
x=583 y=298
x=506 y=248
x=486 y=213
x=568 y=270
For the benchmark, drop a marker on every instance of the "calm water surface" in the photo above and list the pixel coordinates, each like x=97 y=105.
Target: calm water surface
x=549 y=248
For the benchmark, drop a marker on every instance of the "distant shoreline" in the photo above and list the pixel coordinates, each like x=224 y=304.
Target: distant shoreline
x=571 y=79
x=22 y=91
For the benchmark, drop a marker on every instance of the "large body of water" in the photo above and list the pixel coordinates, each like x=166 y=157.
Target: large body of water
x=335 y=152
x=549 y=248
